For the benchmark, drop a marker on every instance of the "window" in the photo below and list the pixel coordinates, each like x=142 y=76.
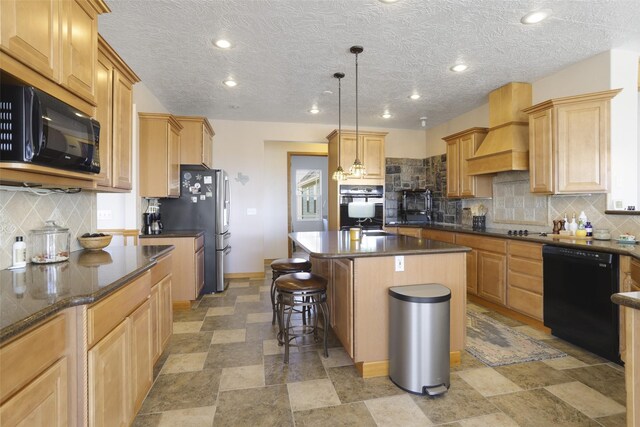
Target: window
x=309 y=194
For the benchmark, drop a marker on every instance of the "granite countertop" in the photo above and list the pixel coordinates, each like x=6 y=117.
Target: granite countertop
x=174 y=233
x=31 y=294
x=337 y=244
x=609 y=246
x=627 y=299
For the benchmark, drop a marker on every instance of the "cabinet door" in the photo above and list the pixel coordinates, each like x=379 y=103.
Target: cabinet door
x=141 y=353
x=109 y=379
x=343 y=302
x=440 y=236
x=372 y=155
x=207 y=148
x=29 y=32
x=165 y=313
x=410 y=231
x=348 y=151
x=174 y=162
x=453 y=168
x=467 y=182
x=154 y=311
x=324 y=267
x=491 y=276
x=122 y=147
x=79 y=47
x=541 y=155
x=472 y=272
x=104 y=110
x=199 y=271
x=583 y=147
x=43 y=402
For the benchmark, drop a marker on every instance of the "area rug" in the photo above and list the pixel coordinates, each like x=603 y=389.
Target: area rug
x=496 y=344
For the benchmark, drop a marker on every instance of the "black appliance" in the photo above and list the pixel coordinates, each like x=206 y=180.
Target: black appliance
x=147 y=223
x=362 y=193
x=38 y=128
x=578 y=285
x=415 y=206
x=203 y=205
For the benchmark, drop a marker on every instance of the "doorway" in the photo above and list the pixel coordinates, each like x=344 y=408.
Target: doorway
x=307 y=191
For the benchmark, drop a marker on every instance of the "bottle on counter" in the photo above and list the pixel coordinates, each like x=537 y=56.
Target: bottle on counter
x=582 y=221
x=589 y=228
x=19 y=253
x=565 y=222
x=573 y=225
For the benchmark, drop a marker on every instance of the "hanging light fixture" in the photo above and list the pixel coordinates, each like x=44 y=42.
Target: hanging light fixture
x=357 y=169
x=339 y=174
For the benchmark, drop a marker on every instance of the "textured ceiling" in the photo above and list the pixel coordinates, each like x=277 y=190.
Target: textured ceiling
x=285 y=53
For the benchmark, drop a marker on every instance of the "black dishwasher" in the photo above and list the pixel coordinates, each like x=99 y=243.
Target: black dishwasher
x=578 y=285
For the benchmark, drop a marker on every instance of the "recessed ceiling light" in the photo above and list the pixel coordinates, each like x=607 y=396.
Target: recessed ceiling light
x=458 y=68
x=328 y=92
x=536 y=16
x=423 y=121
x=230 y=83
x=314 y=110
x=234 y=107
x=414 y=96
x=388 y=1
x=386 y=115
x=222 y=44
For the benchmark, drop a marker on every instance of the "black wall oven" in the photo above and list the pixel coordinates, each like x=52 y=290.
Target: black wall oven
x=373 y=194
x=578 y=285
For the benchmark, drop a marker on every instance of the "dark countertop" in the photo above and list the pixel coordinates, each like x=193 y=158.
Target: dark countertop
x=174 y=233
x=627 y=299
x=336 y=244
x=609 y=246
x=31 y=294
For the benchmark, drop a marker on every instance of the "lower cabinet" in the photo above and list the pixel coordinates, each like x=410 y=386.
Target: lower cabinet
x=410 y=231
x=343 y=302
x=324 y=267
x=524 y=291
x=629 y=282
x=141 y=353
x=491 y=276
x=472 y=272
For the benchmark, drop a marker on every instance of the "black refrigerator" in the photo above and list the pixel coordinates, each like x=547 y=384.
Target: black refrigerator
x=203 y=205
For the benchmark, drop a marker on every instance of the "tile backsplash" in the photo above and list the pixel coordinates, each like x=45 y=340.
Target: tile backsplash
x=21 y=212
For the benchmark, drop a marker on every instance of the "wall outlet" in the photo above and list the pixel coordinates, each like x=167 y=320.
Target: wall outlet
x=105 y=214
x=399 y=263
x=252 y=211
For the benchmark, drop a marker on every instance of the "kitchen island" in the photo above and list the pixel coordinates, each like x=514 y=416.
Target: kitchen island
x=359 y=274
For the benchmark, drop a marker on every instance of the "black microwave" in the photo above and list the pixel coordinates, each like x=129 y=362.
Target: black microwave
x=38 y=128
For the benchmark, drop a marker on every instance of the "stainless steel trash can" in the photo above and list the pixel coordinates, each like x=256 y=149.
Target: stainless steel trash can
x=419 y=338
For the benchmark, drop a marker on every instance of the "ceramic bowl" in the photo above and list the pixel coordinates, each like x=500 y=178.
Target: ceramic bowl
x=95 y=243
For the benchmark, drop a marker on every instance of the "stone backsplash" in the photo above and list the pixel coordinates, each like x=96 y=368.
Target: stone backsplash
x=419 y=174
x=21 y=212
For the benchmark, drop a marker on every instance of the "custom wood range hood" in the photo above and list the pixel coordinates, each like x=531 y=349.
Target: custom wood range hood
x=506 y=146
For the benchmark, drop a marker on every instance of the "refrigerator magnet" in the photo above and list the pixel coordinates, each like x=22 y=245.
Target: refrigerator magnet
x=208 y=179
x=202 y=197
x=194 y=199
x=209 y=194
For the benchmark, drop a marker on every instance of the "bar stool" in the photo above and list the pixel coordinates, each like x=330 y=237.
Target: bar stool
x=283 y=266
x=301 y=290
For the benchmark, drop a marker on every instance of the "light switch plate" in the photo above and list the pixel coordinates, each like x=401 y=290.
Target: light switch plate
x=399 y=263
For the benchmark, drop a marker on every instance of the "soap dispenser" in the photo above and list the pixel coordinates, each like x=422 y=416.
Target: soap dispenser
x=573 y=225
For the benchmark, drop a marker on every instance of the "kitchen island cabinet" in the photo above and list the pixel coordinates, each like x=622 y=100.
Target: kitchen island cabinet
x=362 y=272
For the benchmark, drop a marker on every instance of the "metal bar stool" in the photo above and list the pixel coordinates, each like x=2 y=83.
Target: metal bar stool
x=301 y=290
x=283 y=266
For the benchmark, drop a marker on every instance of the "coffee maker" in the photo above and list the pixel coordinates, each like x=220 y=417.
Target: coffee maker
x=151 y=222
x=147 y=223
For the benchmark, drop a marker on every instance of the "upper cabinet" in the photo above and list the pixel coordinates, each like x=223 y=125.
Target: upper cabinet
x=159 y=155
x=569 y=144
x=460 y=147
x=53 y=45
x=370 y=146
x=196 y=141
x=114 y=95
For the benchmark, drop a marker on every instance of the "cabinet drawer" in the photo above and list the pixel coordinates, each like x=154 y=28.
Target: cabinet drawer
x=199 y=243
x=484 y=243
x=525 y=266
x=26 y=357
x=441 y=236
x=161 y=269
x=525 y=302
x=107 y=314
x=525 y=250
x=524 y=281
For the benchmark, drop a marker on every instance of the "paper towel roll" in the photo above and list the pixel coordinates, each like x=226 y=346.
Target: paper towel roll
x=362 y=210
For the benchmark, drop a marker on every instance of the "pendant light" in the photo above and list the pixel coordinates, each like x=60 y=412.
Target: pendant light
x=339 y=174
x=357 y=169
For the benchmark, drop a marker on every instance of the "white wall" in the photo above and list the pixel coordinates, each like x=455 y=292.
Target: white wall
x=239 y=146
x=125 y=207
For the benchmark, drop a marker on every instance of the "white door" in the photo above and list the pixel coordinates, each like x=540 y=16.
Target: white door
x=308 y=184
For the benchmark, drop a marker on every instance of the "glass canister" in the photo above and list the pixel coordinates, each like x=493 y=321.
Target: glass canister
x=50 y=243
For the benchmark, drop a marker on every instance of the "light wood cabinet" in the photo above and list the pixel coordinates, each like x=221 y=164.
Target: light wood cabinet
x=569 y=144
x=159 y=155
x=410 y=231
x=343 y=302
x=160 y=308
x=472 y=272
x=165 y=317
x=461 y=146
x=525 y=285
x=629 y=282
x=52 y=45
x=489 y=280
x=439 y=235
x=187 y=266
x=114 y=96
x=196 y=141
x=371 y=152
x=324 y=268
x=141 y=353
x=36 y=375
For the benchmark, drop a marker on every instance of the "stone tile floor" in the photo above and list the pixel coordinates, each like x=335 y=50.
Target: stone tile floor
x=223 y=367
